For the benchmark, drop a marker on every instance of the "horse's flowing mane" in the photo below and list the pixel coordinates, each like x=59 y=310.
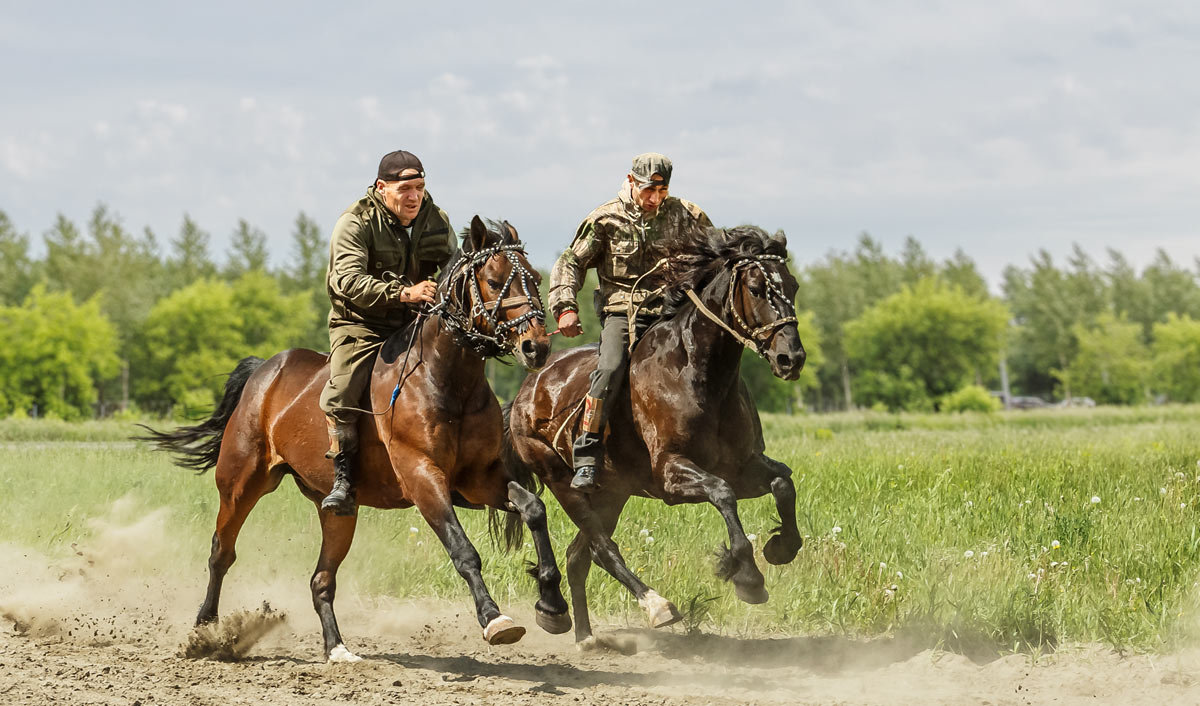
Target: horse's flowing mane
x=696 y=258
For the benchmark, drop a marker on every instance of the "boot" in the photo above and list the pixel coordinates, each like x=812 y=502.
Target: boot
x=343 y=442
x=589 y=445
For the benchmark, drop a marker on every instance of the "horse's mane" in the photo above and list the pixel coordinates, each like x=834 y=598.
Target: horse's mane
x=697 y=257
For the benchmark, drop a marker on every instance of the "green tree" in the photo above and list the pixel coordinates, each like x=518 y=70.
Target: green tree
x=305 y=273
x=1176 y=363
x=56 y=353
x=247 y=251
x=1110 y=363
x=189 y=259
x=17 y=273
x=922 y=343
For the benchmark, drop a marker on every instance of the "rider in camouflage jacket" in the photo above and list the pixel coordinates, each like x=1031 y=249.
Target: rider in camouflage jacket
x=615 y=239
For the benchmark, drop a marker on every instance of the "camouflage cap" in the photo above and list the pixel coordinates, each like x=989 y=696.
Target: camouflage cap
x=647 y=165
x=393 y=165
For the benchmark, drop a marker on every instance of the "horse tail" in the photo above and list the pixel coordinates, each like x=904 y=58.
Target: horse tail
x=197 y=447
x=518 y=470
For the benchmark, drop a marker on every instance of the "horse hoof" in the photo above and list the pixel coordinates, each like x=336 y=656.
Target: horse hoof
x=555 y=624
x=776 y=552
x=659 y=610
x=503 y=631
x=591 y=643
x=343 y=655
x=587 y=644
x=754 y=595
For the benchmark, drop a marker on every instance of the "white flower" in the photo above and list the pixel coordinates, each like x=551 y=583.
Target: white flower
x=752 y=537
x=1162 y=491
x=1138 y=580
x=1053 y=564
x=1179 y=476
x=1040 y=571
x=644 y=533
x=1182 y=505
x=982 y=555
x=970 y=504
x=1055 y=544
x=882 y=565
x=1095 y=499
x=1136 y=499
x=413 y=530
x=968 y=554
x=899 y=574
x=900 y=467
x=650 y=539
x=1032 y=576
x=837 y=530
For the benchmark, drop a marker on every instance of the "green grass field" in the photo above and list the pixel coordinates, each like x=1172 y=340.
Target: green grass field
x=1011 y=531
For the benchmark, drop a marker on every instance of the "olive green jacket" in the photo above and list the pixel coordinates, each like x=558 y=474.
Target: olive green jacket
x=372 y=257
x=615 y=239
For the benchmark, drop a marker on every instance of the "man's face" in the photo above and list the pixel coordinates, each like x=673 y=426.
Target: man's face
x=403 y=198
x=649 y=196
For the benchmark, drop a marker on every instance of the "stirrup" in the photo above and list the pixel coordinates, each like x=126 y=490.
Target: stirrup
x=585 y=479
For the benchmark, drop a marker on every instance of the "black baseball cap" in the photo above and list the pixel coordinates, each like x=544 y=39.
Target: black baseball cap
x=393 y=165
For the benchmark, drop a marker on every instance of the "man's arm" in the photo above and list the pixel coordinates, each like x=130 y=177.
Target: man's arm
x=348 y=277
x=566 y=279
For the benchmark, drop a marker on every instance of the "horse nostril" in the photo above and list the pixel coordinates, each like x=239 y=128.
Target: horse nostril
x=527 y=347
x=783 y=360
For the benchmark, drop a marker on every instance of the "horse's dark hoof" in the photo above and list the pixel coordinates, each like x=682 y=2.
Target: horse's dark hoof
x=555 y=624
x=776 y=551
x=754 y=595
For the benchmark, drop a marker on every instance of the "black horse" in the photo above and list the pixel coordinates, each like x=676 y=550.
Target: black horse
x=687 y=431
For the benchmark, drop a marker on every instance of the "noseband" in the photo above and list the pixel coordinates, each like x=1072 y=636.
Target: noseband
x=463 y=326
x=760 y=336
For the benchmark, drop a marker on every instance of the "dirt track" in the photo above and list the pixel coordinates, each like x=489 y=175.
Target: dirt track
x=107 y=625
x=419 y=656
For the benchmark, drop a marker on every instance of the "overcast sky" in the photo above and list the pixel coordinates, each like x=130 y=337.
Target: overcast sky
x=998 y=128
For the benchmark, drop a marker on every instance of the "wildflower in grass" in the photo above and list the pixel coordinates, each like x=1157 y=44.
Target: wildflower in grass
x=836 y=530
x=1179 y=476
x=1055 y=544
x=644 y=533
x=1031 y=577
x=413 y=530
x=1137 y=499
x=650 y=539
x=968 y=554
x=883 y=565
x=899 y=574
x=1053 y=564
x=1162 y=491
x=982 y=555
x=970 y=504
x=1095 y=499
x=900 y=467
x=1182 y=505
x=752 y=537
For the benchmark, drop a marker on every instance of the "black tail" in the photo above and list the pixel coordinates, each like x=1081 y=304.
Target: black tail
x=197 y=447
x=514 y=528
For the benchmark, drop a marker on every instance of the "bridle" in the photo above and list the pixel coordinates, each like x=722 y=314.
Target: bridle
x=491 y=340
x=756 y=338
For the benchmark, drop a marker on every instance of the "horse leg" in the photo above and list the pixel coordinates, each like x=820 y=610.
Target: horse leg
x=781 y=548
x=241 y=483
x=597 y=516
x=432 y=498
x=337 y=532
x=686 y=482
x=551 y=607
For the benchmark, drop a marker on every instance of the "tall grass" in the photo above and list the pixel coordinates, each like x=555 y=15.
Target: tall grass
x=1017 y=530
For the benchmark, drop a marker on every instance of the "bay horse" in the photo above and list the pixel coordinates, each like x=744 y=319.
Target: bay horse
x=687 y=430
x=434 y=440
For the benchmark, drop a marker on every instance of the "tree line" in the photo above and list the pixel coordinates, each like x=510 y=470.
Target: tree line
x=107 y=320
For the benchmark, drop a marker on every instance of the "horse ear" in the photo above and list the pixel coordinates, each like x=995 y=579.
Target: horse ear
x=479 y=234
x=512 y=232
x=780 y=238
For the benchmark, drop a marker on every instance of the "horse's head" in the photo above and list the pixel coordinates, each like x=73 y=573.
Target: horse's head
x=498 y=290
x=762 y=302
x=744 y=271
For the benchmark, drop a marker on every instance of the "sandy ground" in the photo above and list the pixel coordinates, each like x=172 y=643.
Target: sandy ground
x=75 y=632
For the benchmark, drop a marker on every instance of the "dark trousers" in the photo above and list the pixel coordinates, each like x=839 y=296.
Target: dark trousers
x=606 y=382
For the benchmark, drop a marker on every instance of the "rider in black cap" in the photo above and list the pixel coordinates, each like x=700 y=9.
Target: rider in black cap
x=385 y=248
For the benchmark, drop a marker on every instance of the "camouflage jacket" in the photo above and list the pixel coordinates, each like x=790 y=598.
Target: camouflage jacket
x=615 y=239
x=372 y=257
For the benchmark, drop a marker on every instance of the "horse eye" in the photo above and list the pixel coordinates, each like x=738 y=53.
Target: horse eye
x=757 y=290
x=493 y=284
